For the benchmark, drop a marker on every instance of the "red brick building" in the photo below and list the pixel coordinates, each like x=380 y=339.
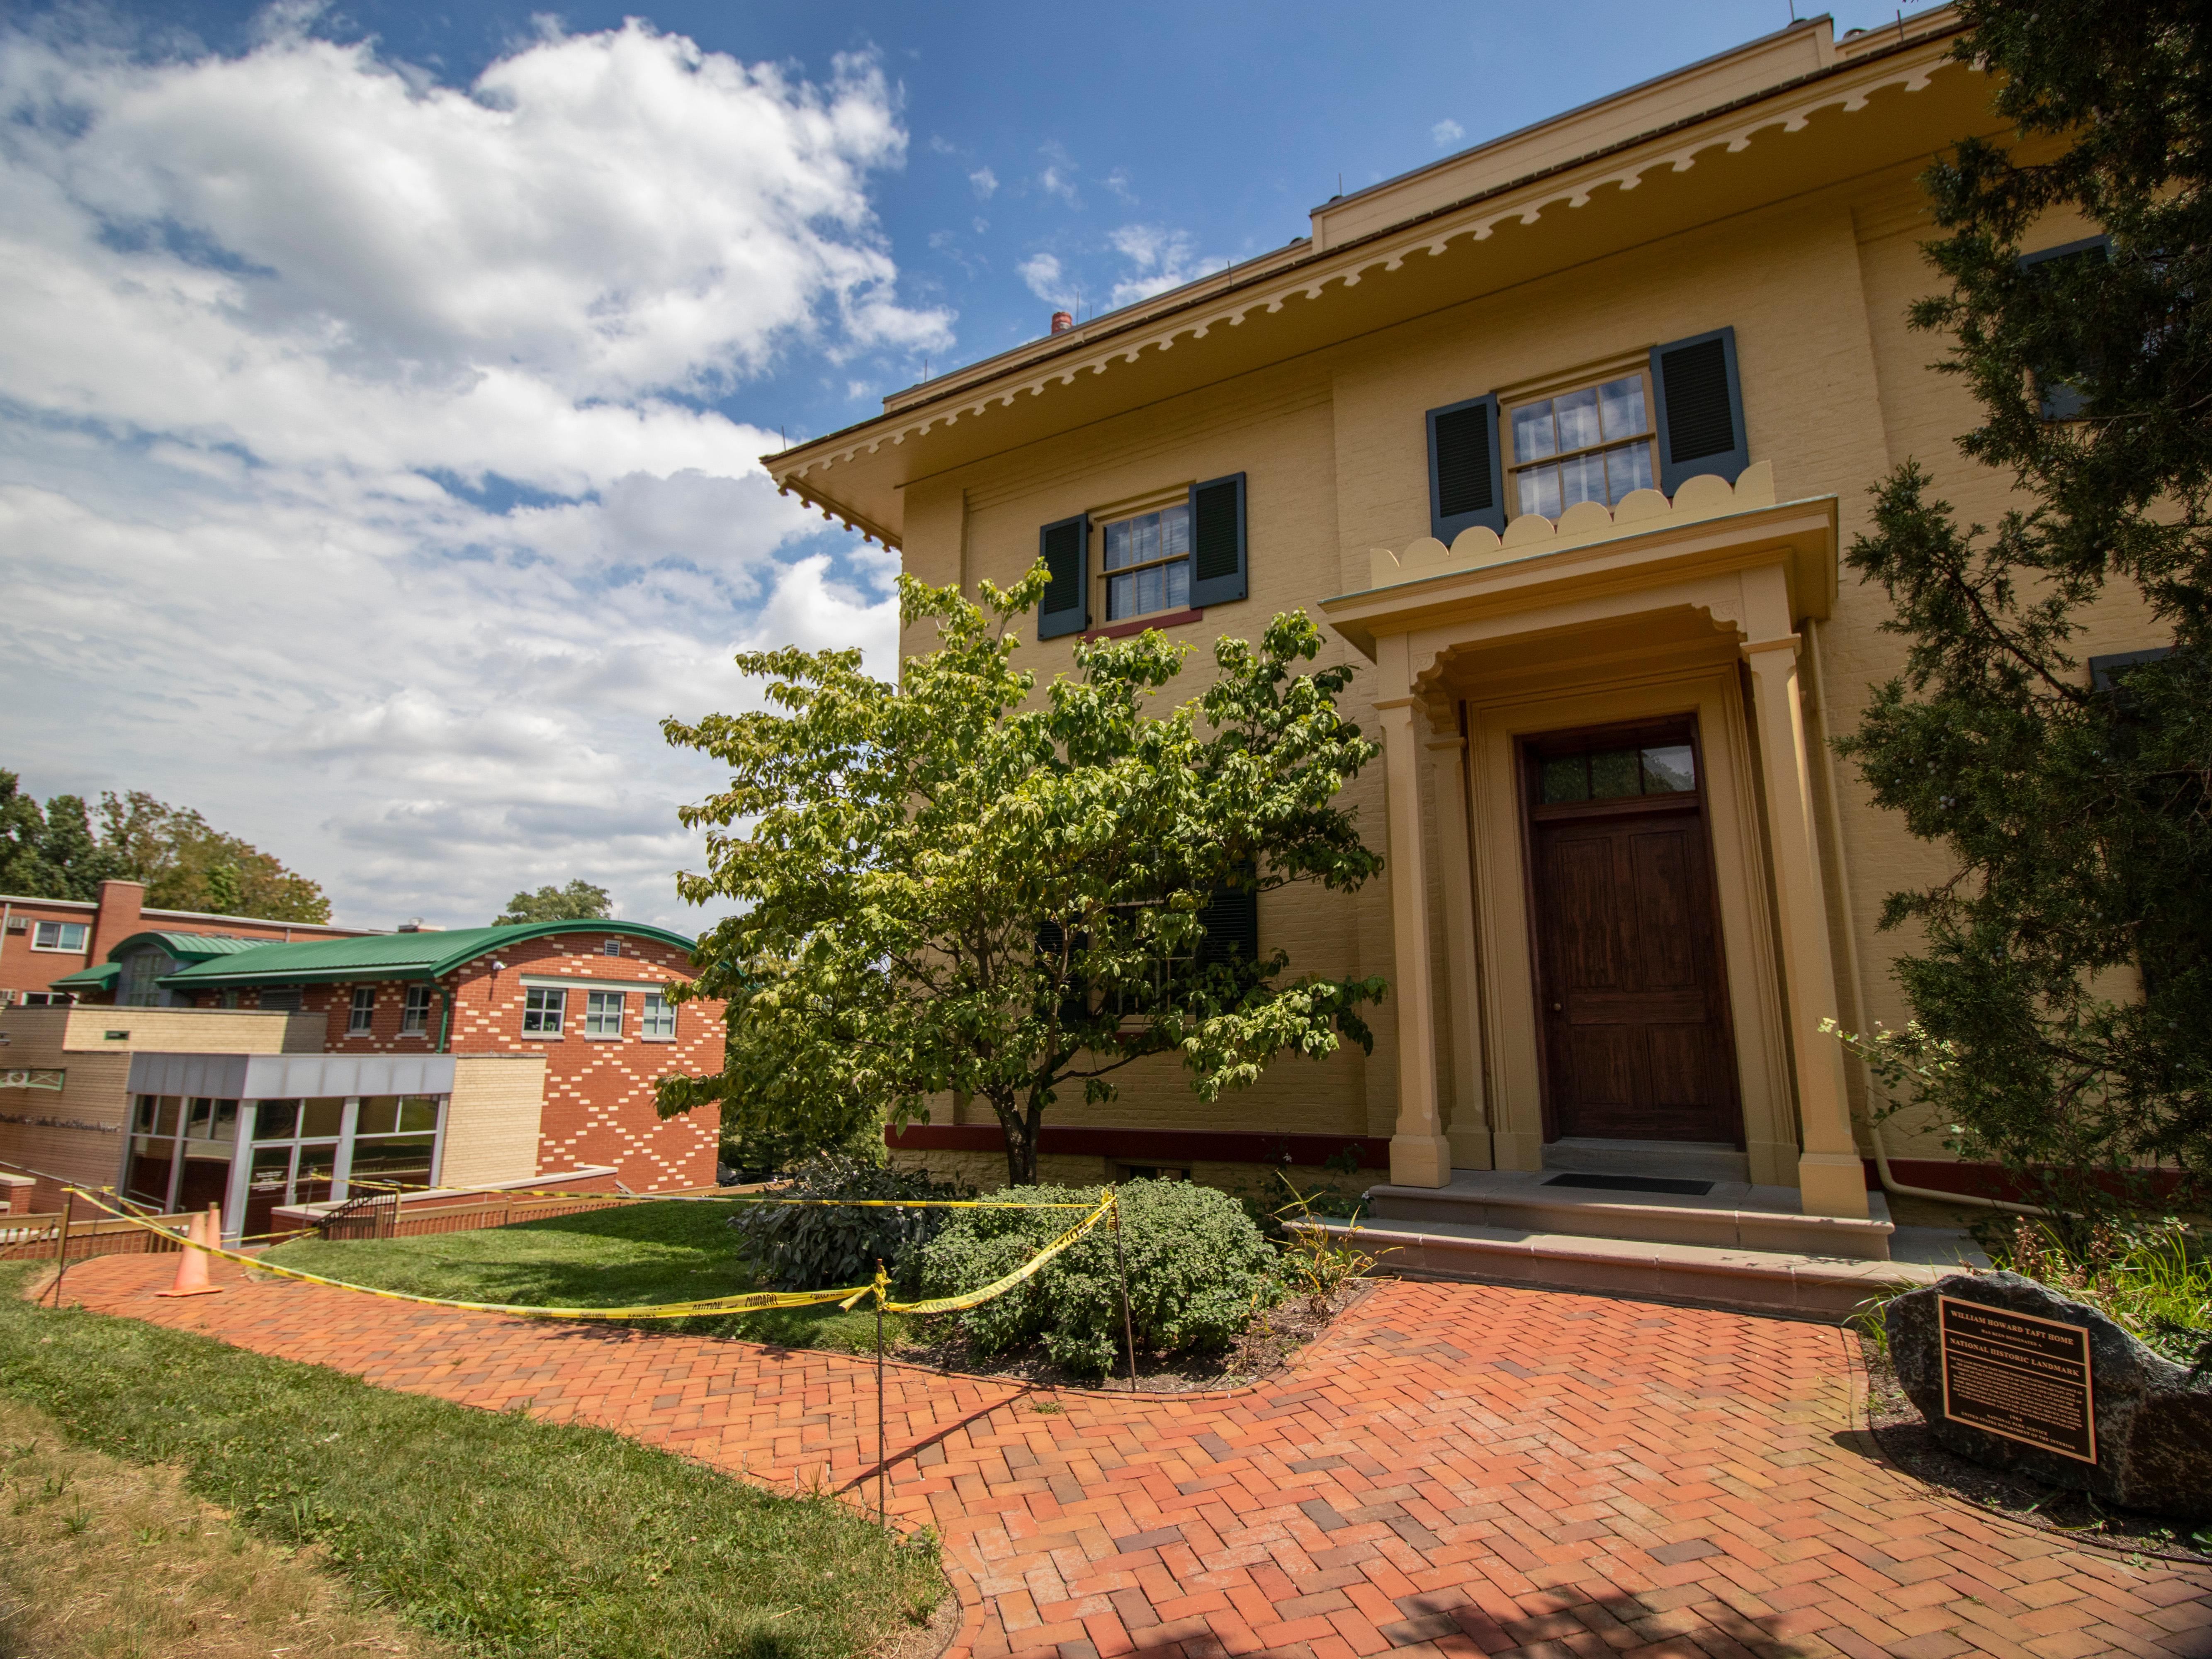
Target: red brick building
x=584 y=998
x=43 y=940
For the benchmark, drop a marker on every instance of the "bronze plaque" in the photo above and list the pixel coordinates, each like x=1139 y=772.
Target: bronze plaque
x=2018 y=1376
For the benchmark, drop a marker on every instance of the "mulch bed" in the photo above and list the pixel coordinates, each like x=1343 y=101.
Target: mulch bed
x=1906 y=1441
x=1268 y=1349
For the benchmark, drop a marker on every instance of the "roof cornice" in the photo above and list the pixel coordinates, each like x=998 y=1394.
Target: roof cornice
x=1226 y=300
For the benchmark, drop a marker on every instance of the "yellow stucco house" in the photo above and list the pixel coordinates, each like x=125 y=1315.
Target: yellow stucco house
x=1561 y=438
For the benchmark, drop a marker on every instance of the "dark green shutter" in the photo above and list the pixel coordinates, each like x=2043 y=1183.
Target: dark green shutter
x=1075 y=1004
x=1065 y=546
x=1700 y=408
x=1231 y=920
x=1467 y=484
x=2058 y=385
x=1216 y=541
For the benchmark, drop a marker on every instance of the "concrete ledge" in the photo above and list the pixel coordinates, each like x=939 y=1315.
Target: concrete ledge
x=1799 y=1286
x=1734 y=1217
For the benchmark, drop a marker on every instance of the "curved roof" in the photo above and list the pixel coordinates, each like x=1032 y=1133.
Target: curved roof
x=185 y=947
x=389 y=956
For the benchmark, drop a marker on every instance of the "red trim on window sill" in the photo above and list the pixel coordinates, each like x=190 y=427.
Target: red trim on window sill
x=1122 y=630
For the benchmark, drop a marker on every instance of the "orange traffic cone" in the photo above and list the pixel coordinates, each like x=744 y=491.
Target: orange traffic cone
x=191 y=1262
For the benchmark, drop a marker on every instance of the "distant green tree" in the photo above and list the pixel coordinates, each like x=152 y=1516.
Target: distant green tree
x=580 y=901
x=184 y=862
x=2076 y=814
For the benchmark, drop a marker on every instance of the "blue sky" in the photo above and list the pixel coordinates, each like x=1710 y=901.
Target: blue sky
x=379 y=384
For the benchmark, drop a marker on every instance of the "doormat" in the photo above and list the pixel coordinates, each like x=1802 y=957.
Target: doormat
x=1613 y=1183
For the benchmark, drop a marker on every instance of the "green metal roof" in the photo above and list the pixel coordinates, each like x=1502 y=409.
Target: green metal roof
x=186 y=947
x=100 y=978
x=387 y=956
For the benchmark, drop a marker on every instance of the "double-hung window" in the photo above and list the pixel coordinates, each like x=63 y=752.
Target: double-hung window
x=1592 y=444
x=415 y=1013
x=602 y=1014
x=542 y=1010
x=658 y=1023
x=361 y=1012
x=59 y=936
x=1148 y=564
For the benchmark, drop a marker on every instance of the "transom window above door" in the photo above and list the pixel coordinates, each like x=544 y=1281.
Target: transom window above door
x=1148 y=564
x=1593 y=444
x=1616 y=773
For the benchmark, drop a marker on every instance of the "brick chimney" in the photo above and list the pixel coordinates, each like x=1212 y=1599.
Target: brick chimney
x=1062 y=322
x=122 y=904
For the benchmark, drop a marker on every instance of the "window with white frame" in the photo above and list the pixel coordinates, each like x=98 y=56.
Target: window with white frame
x=415 y=1013
x=1592 y=444
x=361 y=1012
x=542 y=1010
x=602 y=1014
x=59 y=936
x=1148 y=564
x=658 y=1022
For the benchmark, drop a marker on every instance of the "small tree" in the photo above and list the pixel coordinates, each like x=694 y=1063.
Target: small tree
x=950 y=886
x=580 y=901
x=2076 y=814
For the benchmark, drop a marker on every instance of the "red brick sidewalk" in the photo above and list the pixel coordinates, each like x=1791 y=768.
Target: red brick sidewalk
x=1456 y=1470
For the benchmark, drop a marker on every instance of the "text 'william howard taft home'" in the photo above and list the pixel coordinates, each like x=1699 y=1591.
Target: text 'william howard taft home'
x=1561 y=440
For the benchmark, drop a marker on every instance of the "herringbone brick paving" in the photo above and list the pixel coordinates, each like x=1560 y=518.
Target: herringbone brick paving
x=1455 y=1470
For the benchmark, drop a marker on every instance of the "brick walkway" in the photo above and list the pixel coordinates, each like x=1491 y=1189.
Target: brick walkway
x=1456 y=1470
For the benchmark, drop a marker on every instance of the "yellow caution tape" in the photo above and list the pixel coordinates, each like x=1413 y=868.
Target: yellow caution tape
x=1000 y=1287
x=749 y=1302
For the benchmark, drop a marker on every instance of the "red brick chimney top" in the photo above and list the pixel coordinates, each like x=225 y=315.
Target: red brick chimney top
x=1062 y=322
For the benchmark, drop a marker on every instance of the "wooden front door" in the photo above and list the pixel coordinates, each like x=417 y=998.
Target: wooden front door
x=1637 y=1043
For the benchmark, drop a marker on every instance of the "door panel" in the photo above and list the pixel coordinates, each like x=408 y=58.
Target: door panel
x=1637 y=1028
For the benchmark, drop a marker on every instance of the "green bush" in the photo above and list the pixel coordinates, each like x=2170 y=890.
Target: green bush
x=1199 y=1271
x=807 y=1247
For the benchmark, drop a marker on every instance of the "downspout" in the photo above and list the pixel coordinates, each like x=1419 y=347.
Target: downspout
x=445 y=1016
x=1834 y=815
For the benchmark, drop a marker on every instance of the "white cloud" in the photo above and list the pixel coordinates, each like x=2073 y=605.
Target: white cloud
x=1118 y=182
x=356 y=484
x=1447 y=132
x=984 y=183
x=1163 y=258
x=1042 y=272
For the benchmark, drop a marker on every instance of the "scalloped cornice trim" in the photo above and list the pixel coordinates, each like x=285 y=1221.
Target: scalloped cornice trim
x=1708 y=496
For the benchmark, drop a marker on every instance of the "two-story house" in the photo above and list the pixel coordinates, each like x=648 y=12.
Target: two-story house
x=1561 y=438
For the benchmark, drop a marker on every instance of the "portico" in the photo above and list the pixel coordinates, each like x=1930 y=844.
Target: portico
x=1635 y=943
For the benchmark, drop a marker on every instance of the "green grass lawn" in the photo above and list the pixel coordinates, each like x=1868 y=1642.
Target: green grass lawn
x=633 y=1255
x=504 y=1535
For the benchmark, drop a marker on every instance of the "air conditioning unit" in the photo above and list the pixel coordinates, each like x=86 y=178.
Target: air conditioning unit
x=19 y=924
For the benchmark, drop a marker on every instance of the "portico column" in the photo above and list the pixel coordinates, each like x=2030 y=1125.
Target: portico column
x=1469 y=1130
x=1420 y=1154
x=1831 y=1180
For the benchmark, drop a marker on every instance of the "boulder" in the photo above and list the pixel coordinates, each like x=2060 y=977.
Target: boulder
x=2154 y=1423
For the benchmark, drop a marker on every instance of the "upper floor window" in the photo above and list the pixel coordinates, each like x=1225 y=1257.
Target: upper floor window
x=1593 y=444
x=602 y=1014
x=658 y=1022
x=283 y=1000
x=541 y=1012
x=59 y=936
x=1148 y=564
x=361 y=1012
x=415 y=1013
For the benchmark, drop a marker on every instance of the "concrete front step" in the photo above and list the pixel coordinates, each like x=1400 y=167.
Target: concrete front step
x=1793 y=1284
x=1733 y=1216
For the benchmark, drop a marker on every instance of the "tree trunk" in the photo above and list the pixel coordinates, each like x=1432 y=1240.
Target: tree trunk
x=1021 y=1133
